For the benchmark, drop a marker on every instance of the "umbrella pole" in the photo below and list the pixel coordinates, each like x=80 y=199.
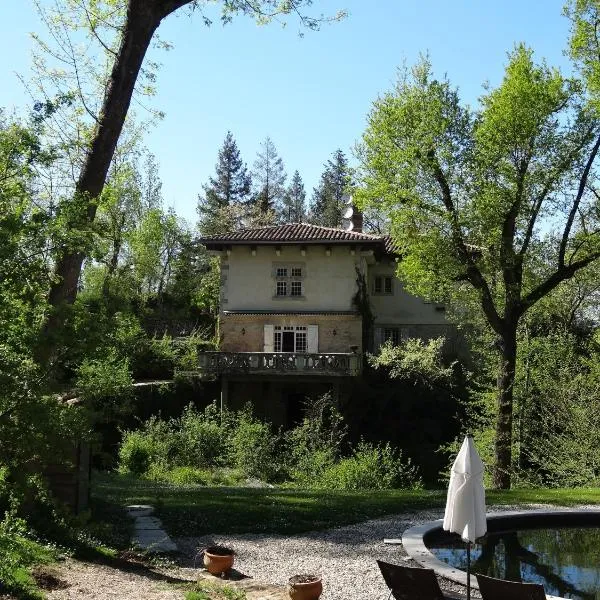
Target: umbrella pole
x=468 y=570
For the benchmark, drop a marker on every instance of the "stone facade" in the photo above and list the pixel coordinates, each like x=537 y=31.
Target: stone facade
x=245 y=333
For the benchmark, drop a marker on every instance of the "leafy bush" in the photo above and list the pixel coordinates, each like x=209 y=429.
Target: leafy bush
x=201 y=438
x=371 y=467
x=315 y=444
x=253 y=448
x=142 y=448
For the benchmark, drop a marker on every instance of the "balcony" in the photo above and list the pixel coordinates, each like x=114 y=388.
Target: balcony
x=278 y=363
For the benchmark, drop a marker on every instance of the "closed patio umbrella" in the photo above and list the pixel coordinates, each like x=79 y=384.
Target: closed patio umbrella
x=465 y=505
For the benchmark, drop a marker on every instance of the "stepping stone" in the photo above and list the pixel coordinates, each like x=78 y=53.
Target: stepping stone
x=139 y=510
x=147 y=523
x=154 y=540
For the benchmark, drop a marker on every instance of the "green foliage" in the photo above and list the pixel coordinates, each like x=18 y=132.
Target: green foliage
x=19 y=554
x=231 y=186
x=206 y=590
x=207 y=448
x=327 y=203
x=371 y=467
x=201 y=438
x=315 y=444
x=254 y=448
x=416 y=361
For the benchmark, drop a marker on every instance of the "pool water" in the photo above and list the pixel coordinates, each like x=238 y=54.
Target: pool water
x=565 y=560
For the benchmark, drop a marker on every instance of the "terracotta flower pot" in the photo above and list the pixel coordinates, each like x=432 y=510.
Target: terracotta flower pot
x=218 y=559
x=305 y=587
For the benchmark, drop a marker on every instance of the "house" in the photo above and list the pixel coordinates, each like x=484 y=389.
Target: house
x=300 y=305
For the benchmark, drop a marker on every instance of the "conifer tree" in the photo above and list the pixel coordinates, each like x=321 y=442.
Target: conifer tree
x=328 y=198
x=270 y=175
x=231 y=185
x=294 y=201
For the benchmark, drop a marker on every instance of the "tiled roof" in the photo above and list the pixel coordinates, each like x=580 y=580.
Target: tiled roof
x=290 y=233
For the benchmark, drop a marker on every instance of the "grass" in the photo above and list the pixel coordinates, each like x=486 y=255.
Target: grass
x=19 y=554
x=214 y=591
x=196 y=510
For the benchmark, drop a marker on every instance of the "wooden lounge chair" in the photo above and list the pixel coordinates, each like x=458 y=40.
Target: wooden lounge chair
x=410 y=583
x=499 y=589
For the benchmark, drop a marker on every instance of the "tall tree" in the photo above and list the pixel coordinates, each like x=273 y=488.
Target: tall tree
x=231 y=185
x=138 y=21
x=475 y=199
x=328 y=198
x=269 y=175
x=294 y=201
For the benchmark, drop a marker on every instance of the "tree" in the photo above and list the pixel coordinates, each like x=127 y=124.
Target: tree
x=231 y=185
x=294 y=201
x=270 y=177
x=328 y=198
x=474 y=198
x=139 y=20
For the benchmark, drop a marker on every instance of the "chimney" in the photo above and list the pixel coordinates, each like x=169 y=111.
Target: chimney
x=352 y=219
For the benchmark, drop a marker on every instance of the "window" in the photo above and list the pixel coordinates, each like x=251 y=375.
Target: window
x=383 y=285
x=289 y=339
x=391 y=334
x=288 y=280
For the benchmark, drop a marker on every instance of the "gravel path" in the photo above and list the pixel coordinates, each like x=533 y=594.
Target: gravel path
x=92 y=581
x=345 y=556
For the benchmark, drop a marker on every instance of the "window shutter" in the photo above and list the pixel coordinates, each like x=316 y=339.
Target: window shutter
x=268 y=338
x=377 y=338
x=312 y=339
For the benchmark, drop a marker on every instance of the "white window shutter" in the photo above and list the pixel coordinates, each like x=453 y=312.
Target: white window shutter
x=269 y=338
x=312 y=341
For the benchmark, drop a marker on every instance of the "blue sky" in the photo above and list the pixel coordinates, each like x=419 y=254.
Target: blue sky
x=311 y=95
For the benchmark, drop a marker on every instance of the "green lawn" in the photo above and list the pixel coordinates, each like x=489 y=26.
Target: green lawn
x=196 y=510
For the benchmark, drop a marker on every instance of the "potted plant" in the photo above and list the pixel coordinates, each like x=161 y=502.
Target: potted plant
x=305 y=587
x=218 y=559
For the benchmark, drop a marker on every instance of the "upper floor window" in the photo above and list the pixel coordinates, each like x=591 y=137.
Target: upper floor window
x=383 y=285
x=289 y=280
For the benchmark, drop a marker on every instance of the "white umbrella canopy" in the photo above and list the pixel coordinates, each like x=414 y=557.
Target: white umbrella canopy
x=465 y=505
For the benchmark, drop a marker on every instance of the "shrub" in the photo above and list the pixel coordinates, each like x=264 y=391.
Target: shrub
x=315 y=444
x=150 y=445
x=201 y=439
x=253 y=448
x=371 y=467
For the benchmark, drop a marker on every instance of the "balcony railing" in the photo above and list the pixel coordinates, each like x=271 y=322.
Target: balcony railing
x=278 y=363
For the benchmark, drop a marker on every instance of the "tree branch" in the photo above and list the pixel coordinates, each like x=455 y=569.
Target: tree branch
x=582 y=185
x=560 y=275
x=473 y=274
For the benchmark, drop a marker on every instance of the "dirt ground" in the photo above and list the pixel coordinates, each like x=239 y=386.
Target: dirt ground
x=76 y=580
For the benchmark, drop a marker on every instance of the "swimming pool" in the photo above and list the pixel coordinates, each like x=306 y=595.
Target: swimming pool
x=559 y=549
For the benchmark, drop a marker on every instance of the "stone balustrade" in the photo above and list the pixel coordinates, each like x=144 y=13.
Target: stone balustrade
x=279 y=363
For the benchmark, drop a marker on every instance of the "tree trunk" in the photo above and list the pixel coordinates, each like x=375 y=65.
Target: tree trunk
x=504 y=419
x=140 y=24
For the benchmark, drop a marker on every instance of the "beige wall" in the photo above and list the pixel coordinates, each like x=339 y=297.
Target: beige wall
x=401 y=307
x=329 y=282
x=348 y=331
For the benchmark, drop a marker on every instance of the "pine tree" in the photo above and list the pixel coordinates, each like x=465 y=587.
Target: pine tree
x=231 y=185
x=270 y=175
x=327 y=204
x=294 y=201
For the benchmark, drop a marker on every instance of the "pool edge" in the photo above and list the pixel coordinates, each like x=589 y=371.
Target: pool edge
x=412 y=542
